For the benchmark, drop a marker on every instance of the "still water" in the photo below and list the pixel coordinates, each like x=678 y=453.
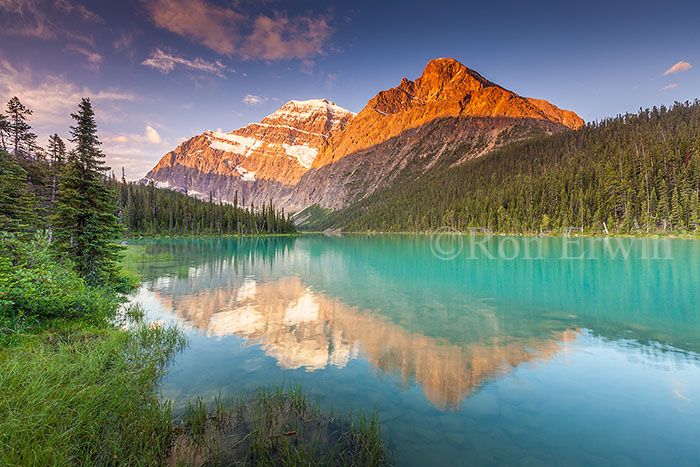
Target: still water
x=497 y=351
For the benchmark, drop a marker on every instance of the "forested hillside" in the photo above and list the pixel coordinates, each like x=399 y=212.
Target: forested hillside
x=147 y=210
x=631 y=173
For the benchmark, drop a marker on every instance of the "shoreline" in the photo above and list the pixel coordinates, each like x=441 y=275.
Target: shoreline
x=159 y=237
x=511 y=234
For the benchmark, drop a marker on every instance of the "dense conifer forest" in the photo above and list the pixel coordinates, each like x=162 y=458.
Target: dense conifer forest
x=635 y=173
x=147 y=210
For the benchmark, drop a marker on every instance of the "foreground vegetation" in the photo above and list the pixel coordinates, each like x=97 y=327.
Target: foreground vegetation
x=630 y=174
x=76 y=394
x=79 y=376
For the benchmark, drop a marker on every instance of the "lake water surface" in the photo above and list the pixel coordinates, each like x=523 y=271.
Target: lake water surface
x=505 y=350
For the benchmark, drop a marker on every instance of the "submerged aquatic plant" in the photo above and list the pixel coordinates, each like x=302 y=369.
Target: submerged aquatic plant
x=275 y=426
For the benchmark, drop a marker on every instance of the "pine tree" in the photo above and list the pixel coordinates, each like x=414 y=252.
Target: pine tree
x=17 y=202
x=22 y=139
x=676 y=211
x=86 y=225
x=57 y=157
x=695 y=210
x=4 y=132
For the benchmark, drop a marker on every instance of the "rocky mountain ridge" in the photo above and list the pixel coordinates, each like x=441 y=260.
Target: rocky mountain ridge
x=257 y=163
x=315 y=152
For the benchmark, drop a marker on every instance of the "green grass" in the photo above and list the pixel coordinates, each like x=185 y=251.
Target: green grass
x=83 y=395
x=274 y=426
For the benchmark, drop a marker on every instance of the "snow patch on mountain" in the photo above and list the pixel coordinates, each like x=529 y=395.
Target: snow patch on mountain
x=312 y=108
x=232 y=143
x=305 y=155
x=245 y=174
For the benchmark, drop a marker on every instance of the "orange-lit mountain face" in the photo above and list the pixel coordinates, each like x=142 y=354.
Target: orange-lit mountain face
x=447 y=89
x=314 y=152
x=260 y=162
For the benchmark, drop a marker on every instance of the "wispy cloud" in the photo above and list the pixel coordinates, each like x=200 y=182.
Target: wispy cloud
x=93 y=58
x=41 y=18
x=199 y=21
x=137 y=159
x=228 y=32
x=251 y=99
x=137 y=153
x=150 y=136
x=669 y=86
x=86 y=14
x=165 y=63
x=52 y=98
x=678 y=67
x=281 y=38
x=307 y=66
x=26 y=18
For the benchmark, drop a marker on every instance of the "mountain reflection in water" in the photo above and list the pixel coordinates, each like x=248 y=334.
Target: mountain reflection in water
x=304 y=327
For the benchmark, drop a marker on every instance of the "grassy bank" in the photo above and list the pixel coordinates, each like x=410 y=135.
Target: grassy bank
x=80 y=394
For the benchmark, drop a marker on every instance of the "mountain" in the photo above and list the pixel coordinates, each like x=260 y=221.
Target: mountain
x=448 y=115
x=260 y=162
x=635 y=173
x=316 y=153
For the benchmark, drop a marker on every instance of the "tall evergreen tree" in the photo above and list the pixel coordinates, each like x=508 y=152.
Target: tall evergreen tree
x=676 y=210
x=22 y=139
x=4 y=132
x=57 y=158
x=17 y=202
x=86 y=226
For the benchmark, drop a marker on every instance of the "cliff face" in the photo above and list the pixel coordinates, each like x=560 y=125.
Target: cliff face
x=260 y=162
x=314 y=152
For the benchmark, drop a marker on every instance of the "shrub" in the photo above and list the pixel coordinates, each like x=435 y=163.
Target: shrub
x=36 y=288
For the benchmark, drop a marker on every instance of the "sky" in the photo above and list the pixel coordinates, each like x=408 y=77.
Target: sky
x=161 y=71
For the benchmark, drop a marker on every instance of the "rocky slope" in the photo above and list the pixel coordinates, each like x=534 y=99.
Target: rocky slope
x=260 y=162
x=314 y=152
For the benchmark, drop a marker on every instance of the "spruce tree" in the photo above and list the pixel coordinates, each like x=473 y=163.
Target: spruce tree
x=86 y=226
x=57 y=158
x=23 y=141
x=695 y=210
x=676 y=210
x=4 y=132
x=17 y=202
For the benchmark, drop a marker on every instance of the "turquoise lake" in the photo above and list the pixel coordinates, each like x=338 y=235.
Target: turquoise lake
x=472 y=350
